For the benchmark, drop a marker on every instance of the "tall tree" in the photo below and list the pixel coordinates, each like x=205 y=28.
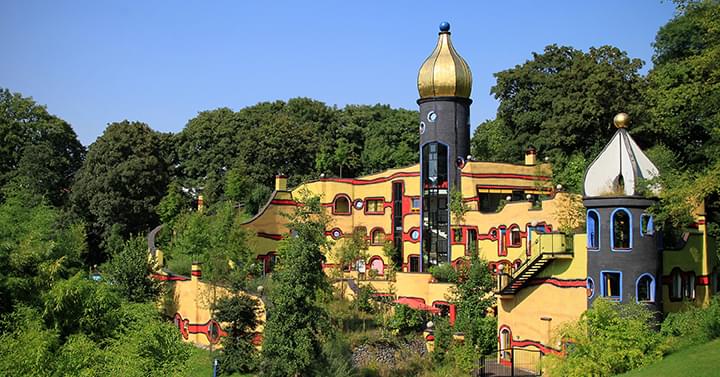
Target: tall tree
x=123 y=178
x=297 y=323
x=41 y=148
x=562 y=101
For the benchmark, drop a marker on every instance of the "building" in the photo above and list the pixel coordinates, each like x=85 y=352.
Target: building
x=544 y=277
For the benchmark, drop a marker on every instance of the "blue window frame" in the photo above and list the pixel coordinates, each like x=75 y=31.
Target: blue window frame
x=590 y=285
x=621 y=237
x=647 y=228
x=611 y=285
x=593 y=230
x=645 y=288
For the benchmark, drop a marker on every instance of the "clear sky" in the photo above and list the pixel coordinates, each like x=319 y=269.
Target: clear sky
x=161 y=62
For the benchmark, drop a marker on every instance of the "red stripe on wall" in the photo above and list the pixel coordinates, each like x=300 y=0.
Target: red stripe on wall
x=276 y=237
x=169 y=277
x=283 y=202
x=356 y=181
x=574 y=283
x=531 y=343
x=507 y=176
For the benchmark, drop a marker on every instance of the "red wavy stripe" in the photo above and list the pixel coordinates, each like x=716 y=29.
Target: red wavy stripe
x=356 y=181
x=169 y=277
x=575 y=283
x=283 y=202
x=531 y=343
x=507 y=175
x=276 y=237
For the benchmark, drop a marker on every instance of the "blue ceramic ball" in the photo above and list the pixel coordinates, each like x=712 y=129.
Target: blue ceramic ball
x=444 y=26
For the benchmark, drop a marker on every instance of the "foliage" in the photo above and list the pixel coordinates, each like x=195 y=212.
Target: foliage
x=350 y=250
x=458 y=208
x=297 y=324
x=123 y=179
x=173 y=204
x=473 y=297
x=216 y=239
x=406 y=320
x=241 y=312
x=443 y=334
x=364 y=299
x=394 y=257
x=337 y=358
x=562 y=101
x=570 y=172
x=129 y=271
x=700 y=360
x=608 y=339
x=444 y=273
x=39 y=148
x=693 y=325
x=38 y=248
x=570 y=213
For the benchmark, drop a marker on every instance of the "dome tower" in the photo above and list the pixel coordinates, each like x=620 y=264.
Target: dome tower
x=444 y=84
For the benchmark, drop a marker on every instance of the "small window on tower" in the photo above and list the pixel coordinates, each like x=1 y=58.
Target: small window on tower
x=612 y=285
x=415 y=203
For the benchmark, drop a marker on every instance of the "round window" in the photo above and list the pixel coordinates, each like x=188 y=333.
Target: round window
x=358 y=204
x=415 y=235
x=432 y=116
x=422 y=128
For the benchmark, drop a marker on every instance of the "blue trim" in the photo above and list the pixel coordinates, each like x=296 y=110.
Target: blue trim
x=650 y=225
x=612 y=230
x=652 y=287
x=587 y=230
x=592 y=290
x=602 y=285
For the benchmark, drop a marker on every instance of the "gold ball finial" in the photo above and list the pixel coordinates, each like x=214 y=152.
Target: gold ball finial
x=621 y=120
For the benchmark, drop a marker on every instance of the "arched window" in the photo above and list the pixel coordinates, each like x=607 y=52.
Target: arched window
x=505 y=343
x=676 y=287
x=377 y=237
x=377 y=264
x=690 y=286
x=593 y=230
x=645 y=288
x=515 y=236
x=341 y=206
x=647 y=228
x=621 y=230
x=590 y=285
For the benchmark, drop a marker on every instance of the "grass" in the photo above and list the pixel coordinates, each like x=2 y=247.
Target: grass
x=200 y=364
x=696 y=361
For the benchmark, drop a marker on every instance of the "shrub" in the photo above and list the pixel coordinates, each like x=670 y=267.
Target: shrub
x=406 y=320
x=692 y=325
x=444 y=273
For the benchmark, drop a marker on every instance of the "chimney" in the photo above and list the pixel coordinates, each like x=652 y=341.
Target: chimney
x=281 y=182
x=196 y=271
x=200 y=203
x=531 y=156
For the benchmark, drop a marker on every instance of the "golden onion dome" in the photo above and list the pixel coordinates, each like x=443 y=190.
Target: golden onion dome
x=444 y=73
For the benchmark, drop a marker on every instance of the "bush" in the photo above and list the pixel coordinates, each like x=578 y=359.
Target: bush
x=608 y=339
x=692 y=325
x=406 y=320
x=444 y=273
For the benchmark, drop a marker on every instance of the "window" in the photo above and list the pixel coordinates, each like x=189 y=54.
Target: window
x=677 y=285
x=341 y=205
x=593 y=230
x=378 y=265
x=621 y=236
x=415 y=204
x=505 y=343
x=611 y=285
x=646 y=225
x=645 y=288
x=490 y=202
x=457 y=235
x=515 y=237
x=377 y=237
x=374 y=206
x=414 y=263
x=443 y=306
x=590 y=285
x=472 y=242
x=690 y=286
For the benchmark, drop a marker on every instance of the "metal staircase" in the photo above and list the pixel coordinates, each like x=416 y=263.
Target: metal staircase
x=549 y=247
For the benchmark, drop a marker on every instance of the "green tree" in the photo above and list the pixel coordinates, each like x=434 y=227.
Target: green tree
x=241 y=312
x=37 y=146
x=129 y=270
x=123 y=179
x=38 y=248
x=608 y=339
x=472 y=297
x=562 y=101
x=174 y=203
x=297 y=324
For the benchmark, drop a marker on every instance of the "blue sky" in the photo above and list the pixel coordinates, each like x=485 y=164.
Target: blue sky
x=161 y=62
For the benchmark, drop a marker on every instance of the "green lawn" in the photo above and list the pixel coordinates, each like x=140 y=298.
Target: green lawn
x=696 y=361
x=200 y=363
